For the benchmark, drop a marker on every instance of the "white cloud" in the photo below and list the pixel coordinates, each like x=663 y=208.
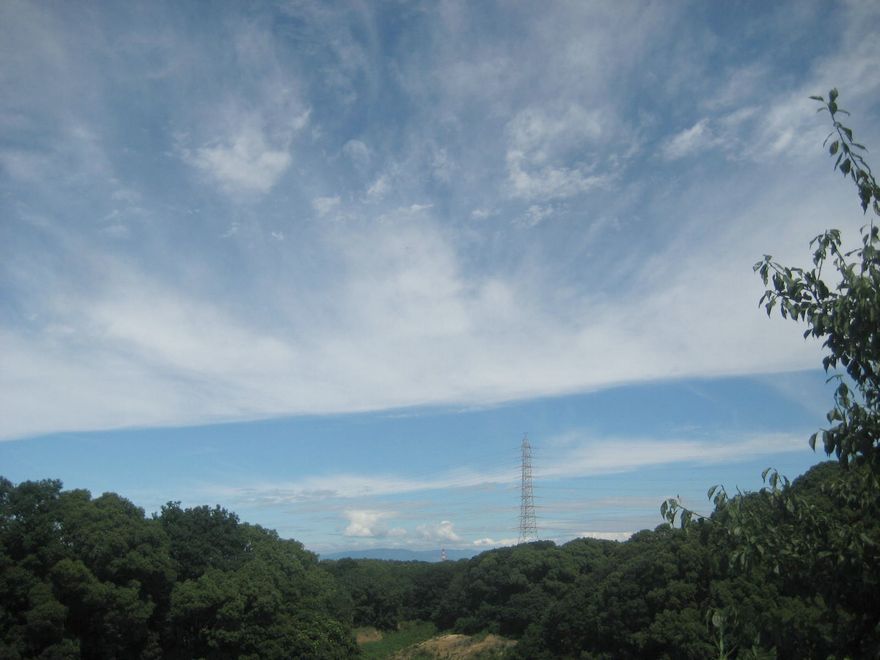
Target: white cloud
x=543 y=134
x=583 y=456
x=379 y=188
x=536 y=214
x=325 y=205
x=695 y=139
x=603 y=456
x=492 y=543
x=397 y=303
x=442 y=531
x=243 y=161
x=606 y=536
x=357 y=152
x=548 y=182
x=366 y=523
x=352 y=317
x=546 y=149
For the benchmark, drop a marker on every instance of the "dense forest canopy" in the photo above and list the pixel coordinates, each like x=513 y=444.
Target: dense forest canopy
x=96 y=578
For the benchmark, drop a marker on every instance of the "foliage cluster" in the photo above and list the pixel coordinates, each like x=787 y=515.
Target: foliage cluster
x=829 y=543
x=95 y=578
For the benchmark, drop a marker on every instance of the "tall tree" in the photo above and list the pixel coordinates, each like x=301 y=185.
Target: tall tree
x=824 y=547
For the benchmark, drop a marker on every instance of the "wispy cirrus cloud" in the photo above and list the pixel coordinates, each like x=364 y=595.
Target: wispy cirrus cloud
x=501 y=228
x=584 y=457
x=697 y=138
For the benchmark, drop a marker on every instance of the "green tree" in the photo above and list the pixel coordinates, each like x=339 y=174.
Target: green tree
x=843 y=312
x=95 y=578
x=821 y=537
x=203 y=537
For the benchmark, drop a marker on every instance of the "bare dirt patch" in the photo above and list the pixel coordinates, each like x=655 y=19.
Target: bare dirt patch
x=458 y=647
x=367 y=634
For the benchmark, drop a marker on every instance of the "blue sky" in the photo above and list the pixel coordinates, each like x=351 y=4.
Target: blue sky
x=325 y=263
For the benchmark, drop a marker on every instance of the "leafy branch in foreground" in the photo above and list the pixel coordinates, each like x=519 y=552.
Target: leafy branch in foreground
x=822 y=542
x=844 y=313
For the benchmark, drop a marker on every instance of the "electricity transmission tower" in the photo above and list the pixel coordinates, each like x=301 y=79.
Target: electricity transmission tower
x=528 y=525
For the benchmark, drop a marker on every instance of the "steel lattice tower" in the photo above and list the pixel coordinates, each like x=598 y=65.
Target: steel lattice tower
x=528 y=524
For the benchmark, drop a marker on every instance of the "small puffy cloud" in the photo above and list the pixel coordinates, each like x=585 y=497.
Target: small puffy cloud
x=250 y=157
x=442 y=165
x=357 y=152
x=548 y=182
x=492 y=543
x=325 y=205
x=545 y=151
x=378 y=188
x=606 y=536
x=536 y=214
x=693 y=139
x=367 y=523
x=443 y=531
x=243 y=162
x=480 y=214
x=545 y=133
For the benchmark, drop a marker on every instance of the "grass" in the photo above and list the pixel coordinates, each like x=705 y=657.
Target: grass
x=411 y=632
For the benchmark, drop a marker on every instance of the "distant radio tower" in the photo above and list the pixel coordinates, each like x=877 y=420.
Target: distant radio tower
x=528 y=525
x=443 y=556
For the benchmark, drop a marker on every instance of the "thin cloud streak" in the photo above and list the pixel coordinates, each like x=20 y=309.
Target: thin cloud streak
x=591 y=458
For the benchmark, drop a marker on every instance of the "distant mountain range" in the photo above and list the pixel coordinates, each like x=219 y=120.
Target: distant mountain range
x=401 y=554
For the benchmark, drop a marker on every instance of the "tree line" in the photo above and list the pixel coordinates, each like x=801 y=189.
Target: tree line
x=96 y=578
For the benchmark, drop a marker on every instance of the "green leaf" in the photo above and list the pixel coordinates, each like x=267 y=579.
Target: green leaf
x=834 y=147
